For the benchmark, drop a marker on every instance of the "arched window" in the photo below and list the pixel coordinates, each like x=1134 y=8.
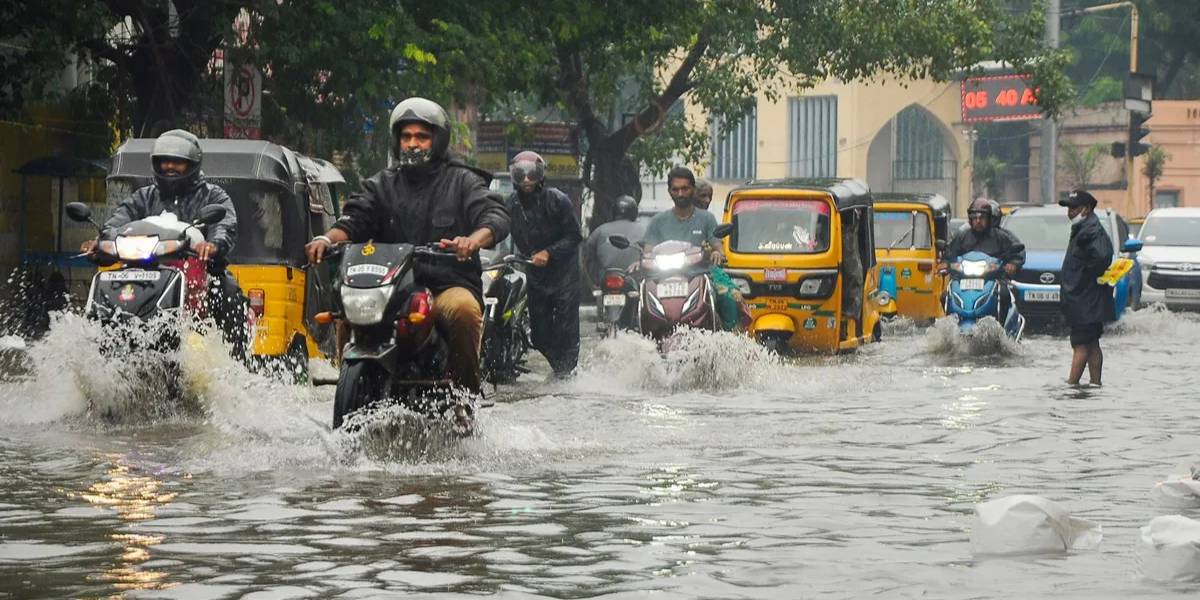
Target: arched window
x=920 y=152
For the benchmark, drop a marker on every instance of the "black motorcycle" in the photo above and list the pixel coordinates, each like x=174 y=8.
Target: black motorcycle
x=616 y=302
x=505 y=320
x=396 y=352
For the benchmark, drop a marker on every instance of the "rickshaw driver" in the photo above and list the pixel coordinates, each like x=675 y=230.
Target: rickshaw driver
x=429 y=197
x=987 y=236
x=686 y=223
x=179 y=188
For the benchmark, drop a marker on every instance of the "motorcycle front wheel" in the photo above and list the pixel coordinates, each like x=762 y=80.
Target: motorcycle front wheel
x=360 y=384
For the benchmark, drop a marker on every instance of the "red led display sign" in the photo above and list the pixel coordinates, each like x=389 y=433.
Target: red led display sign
x=998 y=98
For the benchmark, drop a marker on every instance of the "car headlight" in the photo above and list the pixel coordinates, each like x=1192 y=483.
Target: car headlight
x=364 y=306
x=976 y=268
x=140 y=247
x=668 y=262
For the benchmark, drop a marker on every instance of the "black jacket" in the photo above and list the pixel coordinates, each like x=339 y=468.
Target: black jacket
x=451 y=200
x=1089 y=253
x=547 y=221
x=995 y=241
x=149 y=201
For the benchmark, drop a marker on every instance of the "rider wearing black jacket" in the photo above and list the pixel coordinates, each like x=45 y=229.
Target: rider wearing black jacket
x=546 y=228
x=427 y=197
x=179 y=188
x=987 y=236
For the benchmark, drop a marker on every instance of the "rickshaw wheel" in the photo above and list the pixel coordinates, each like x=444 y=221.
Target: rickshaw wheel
x=295 y=362
x=877 y=332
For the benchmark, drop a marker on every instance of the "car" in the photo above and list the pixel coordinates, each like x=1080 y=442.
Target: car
x=1135 y=226
x=1171 y=257
x=1045 y=231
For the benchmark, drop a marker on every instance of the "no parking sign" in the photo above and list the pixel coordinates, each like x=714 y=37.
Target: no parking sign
x=243 y=101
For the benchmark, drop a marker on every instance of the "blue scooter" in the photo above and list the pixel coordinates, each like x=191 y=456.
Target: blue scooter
x=975 y=288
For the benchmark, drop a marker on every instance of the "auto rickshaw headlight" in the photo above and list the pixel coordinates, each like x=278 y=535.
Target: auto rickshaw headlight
x=884 y=298
x=812 y=286
x=743 y=285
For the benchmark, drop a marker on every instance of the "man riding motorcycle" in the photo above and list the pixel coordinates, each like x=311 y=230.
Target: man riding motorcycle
x=599 y=255
x=985 y=235
x=179 y=188
x=427 y=196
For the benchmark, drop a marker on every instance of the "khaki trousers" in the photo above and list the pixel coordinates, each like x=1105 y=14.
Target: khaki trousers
x=460 y=317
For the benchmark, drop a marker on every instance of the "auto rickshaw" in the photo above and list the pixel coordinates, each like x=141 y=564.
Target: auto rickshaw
x=282 y=200
x=802 y=253
x=911 y=230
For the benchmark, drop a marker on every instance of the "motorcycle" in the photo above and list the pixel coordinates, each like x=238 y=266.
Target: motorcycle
x=395 y=351
x=159 y=274
x=505 y=320
x=975 y=289
x=675 y=289
x=616 y=302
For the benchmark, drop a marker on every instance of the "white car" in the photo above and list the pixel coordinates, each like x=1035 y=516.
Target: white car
x=1171 y=257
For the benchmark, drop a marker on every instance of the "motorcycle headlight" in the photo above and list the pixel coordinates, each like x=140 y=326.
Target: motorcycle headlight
x=668 y=262
x=167 y=247
x=365 y=306
x=975 y=268
x=140 y=247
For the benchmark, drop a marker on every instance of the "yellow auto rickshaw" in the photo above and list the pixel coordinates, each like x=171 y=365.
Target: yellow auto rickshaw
x=282 y=200
x=911 y=230
x=802 y=254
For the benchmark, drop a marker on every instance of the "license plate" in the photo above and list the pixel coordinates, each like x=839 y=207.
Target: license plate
x=777 y=303
x=369 y=269
x=1041 y=296
x=129 y=276
x=614 y=300
x=971 y=284
x=775 y=275
x=1175 y=293
x=672 y=289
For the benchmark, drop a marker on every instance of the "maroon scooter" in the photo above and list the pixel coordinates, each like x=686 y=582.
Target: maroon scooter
x=676 y=289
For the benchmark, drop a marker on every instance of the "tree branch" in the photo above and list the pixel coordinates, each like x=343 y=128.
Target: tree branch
x=100 y=49
x=652 y=116
x=574 y=84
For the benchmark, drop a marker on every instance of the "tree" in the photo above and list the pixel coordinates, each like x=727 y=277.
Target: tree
x=603 y=59
x=989 y=173
x=1079 y=163
x=1156 y=161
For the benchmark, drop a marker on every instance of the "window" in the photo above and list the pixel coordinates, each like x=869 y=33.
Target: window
x=1166 y=198
x=1171 y=231
x=902 y=230
x=781 y=226
x=919 y=151
x=735 y=147
x=1043 y=231
x=813 y=126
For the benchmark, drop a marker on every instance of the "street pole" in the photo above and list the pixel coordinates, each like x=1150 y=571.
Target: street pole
x=1049 y=153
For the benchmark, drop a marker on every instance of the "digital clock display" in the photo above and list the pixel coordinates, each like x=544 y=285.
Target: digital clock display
x=998 y=98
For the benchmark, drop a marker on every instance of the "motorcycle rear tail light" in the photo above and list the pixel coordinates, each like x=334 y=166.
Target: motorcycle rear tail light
x=258 y=301
x=613 y=282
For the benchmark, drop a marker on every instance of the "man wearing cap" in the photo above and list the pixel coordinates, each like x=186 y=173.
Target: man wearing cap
x=1086 y=304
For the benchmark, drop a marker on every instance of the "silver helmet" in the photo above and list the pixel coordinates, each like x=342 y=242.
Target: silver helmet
x=180 y=145
x=420 y=110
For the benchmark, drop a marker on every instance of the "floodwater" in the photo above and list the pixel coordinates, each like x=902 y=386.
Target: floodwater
x=717 y=472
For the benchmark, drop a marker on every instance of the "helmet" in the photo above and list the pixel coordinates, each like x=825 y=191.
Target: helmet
x=984 y=206
x=180 y=145
x=527 y=163
x=626 y=208
x=420 y=110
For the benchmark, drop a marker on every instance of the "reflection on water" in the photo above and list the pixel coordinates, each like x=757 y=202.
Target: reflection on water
x=717 y=471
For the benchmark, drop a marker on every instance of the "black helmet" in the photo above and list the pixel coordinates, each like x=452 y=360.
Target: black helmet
x=527 y=163
x=180 y=145
x=984 y=206
x=420 y=110
x=626 y=208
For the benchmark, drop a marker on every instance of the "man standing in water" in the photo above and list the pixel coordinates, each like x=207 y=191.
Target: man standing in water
x=1086 y=303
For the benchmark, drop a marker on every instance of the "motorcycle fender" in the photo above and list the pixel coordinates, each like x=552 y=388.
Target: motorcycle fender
x=384 y=355
x=775 y=322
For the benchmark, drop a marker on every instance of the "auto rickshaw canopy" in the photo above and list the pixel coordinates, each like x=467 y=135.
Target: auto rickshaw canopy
x=224 y=159
x=848 y=194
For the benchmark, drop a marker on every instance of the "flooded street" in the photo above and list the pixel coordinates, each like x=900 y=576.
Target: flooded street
x=717 y=472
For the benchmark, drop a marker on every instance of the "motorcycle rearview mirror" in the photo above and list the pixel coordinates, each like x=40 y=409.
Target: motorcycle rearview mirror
x=213 y=213
x=723 y=230
x=619 y=242
x=79 y=211
x=941 y=245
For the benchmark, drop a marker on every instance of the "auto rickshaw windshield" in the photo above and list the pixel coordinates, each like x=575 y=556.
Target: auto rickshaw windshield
x=781 y=226
x=902 y=230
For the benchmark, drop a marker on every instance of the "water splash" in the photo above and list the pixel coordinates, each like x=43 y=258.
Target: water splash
x=987 y=338
x=1156 y=321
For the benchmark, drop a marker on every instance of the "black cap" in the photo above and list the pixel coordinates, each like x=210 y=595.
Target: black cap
x=1078 y=198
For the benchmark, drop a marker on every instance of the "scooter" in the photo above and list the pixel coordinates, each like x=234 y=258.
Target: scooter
x=159 y=276
x=616 y=302
x=975 y=288
x=396 y=352
x=505 y=320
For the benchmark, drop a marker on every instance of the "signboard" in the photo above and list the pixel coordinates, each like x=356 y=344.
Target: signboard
x=554 y=141
x=243 y=101
x=998 y=98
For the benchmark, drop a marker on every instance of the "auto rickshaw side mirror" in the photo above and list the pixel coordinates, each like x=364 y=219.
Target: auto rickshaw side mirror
x=79 y=211
x=619 y=242
x=941 y=245
x=723 y=230
x=213 y=213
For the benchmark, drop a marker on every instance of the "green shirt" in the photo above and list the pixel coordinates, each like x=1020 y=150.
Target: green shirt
x=696 y=229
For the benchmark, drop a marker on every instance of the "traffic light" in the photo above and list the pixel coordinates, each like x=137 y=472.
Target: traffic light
x=1117 y=150
x=1137 y=131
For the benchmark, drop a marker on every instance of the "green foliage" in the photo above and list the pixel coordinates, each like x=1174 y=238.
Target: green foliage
x=1079 y=163
x=1155 y=161
x=988 y=173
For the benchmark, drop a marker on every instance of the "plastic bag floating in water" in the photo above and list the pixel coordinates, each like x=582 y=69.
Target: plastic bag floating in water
x=1170 y=549
x=1179 y=490
x=1026 y=524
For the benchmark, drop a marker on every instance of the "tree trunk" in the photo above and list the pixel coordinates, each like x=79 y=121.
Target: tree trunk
x=610 y=178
